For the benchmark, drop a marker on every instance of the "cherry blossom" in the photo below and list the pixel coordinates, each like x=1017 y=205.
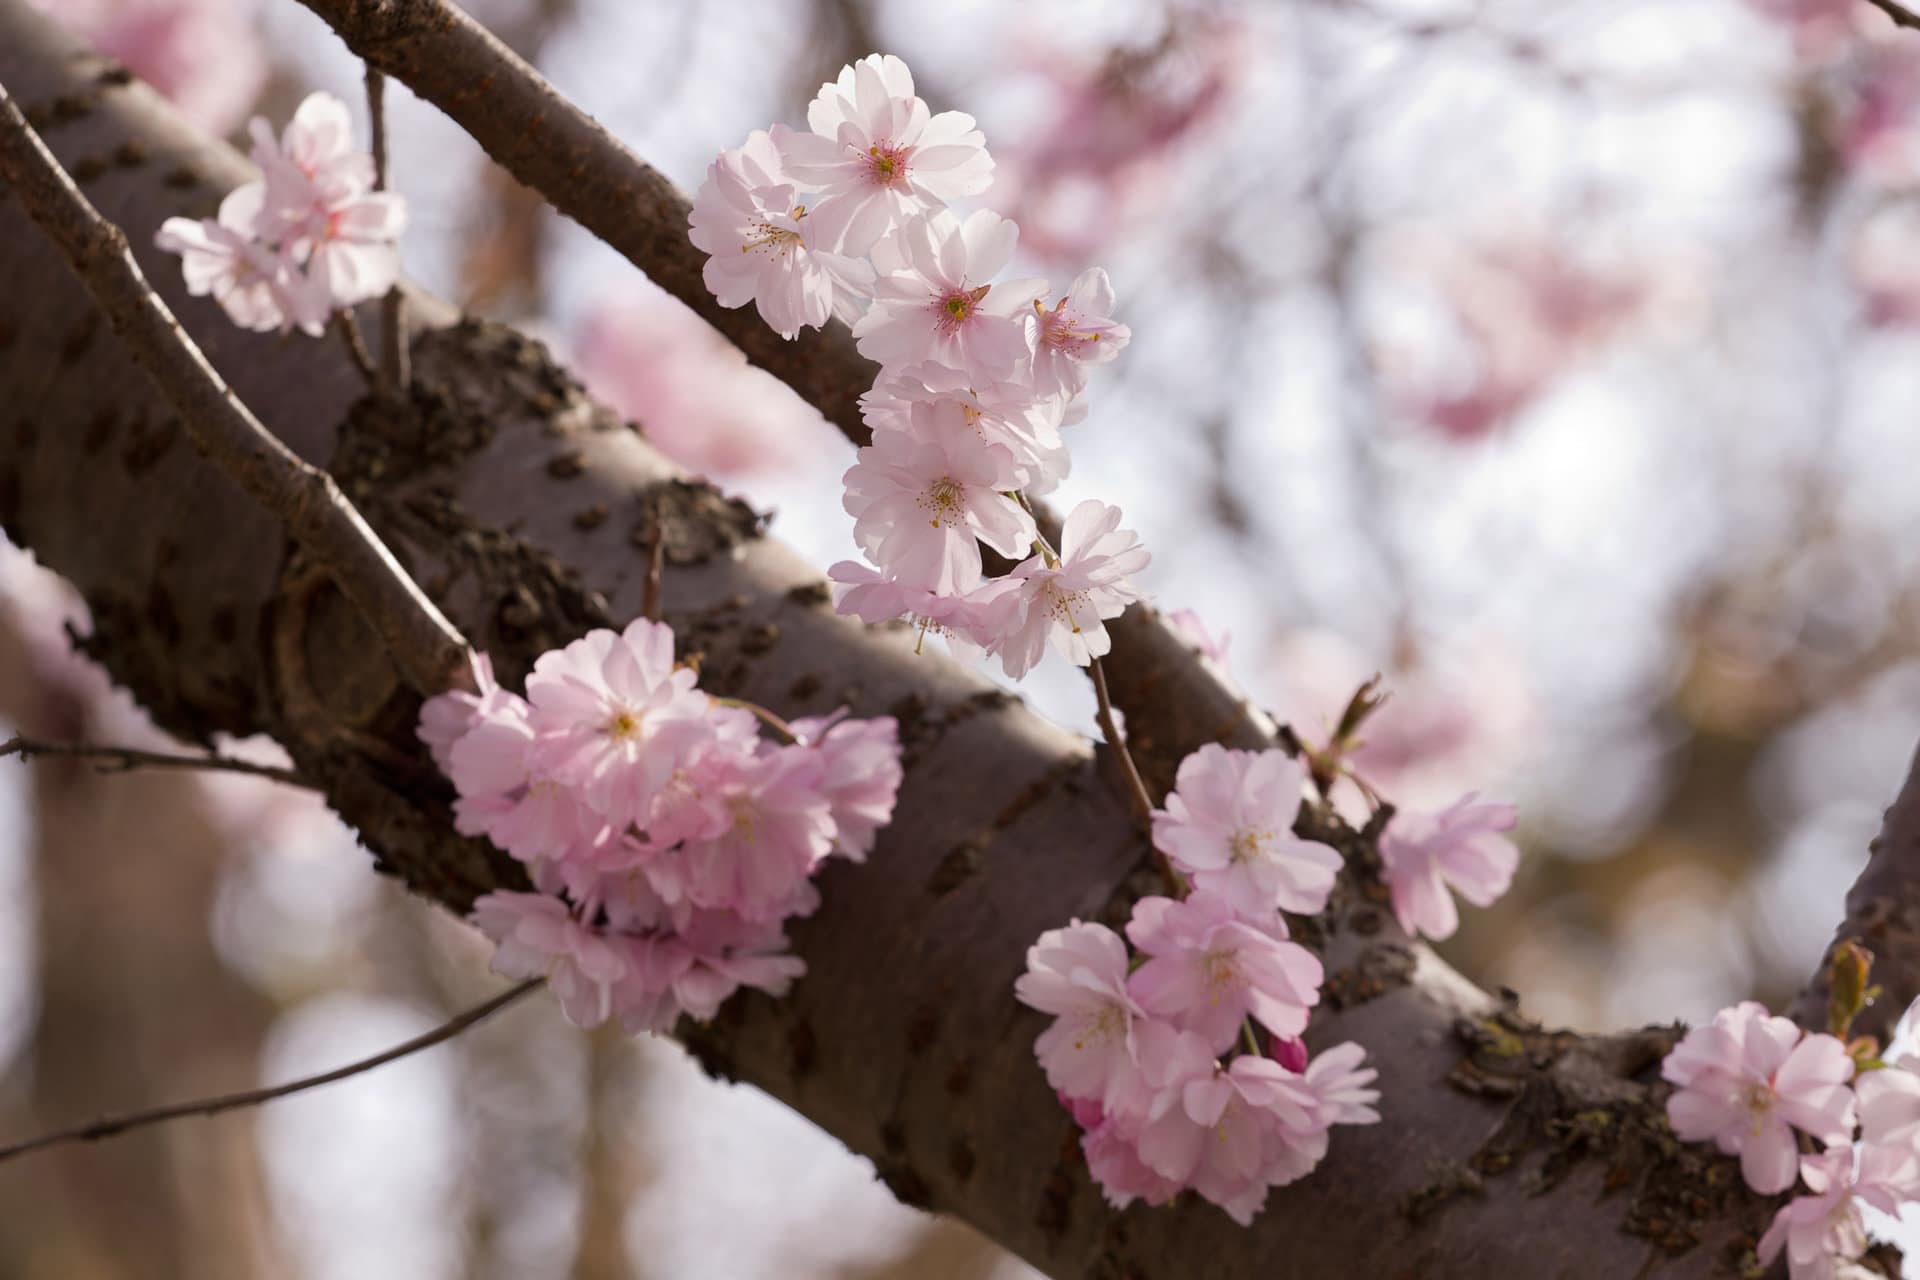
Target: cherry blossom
x=258 y=285
x=1079 y=974
x=611 y=714
x=876 y=156
x=1747 y=1080
x=751 y=222
x=1075 y=335
x=934 y=300
x=1229 y=824
x=1341 y=1088
x=968 y=622
x=932 y=402
x=1065 y=600
x=1462 y=848
x=204 y=55
x=1889 y=1102
x=1210 y=970
x=695 y=970
x=919 y=505
x=1825 y=1228
x=860 y=774
x=537 y=937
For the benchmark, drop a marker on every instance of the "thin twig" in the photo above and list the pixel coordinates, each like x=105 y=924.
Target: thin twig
x=656 y=564
x=423 y=643
x=1142 y=803
x=395 y=375
x=113 y=759
x=108 y=1126
x=772 y=721
x=1902 y=16
x=349 y=328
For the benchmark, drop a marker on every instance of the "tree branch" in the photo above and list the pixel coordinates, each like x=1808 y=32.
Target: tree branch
x=1901 y=15
x=395 y=374
x=123 y=759
x=108 y=1126
x=421 y=640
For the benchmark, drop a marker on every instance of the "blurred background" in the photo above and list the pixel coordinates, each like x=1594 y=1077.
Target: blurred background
x=1557 y=359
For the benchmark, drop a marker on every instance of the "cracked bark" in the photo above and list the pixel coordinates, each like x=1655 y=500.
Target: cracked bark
x=523 y=509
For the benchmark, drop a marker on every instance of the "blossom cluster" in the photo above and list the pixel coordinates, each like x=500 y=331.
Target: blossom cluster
x=1749 y=1081
x=308 y=237
x=669 y=840
x=978 y=375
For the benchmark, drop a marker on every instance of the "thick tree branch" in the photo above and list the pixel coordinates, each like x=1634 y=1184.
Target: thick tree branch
x=109 y=1126
x=1883 y=912
x=420 y=638
x=1506 y=1149
x=123 y=759
x=1901 y=15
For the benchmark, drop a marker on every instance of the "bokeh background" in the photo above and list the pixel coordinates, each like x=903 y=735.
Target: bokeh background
x=1556 y=358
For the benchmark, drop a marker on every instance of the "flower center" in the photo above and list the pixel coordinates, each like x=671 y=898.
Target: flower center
x=946 y=499
x=1057 y=331
x=1759 y=1100
x=624 y=725
x=1222 y=978
x=887 y=164
x=1103 y=1025
x=956 y=308
x=1248 y=845
x=775 y=241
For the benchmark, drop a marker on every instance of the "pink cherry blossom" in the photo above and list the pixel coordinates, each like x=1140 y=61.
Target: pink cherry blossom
x=1075 y=336
x=920 y=505
x=445 y=717
x=1194 y=628
x=1825 y=1228
x=1065 y=601
x=695 y=969
x=877 y=157
x=533 y=818
x=1210 y=970
x=1747 y=1080
x=204 y=55
x=860 y=774
x=613 y=716
x=749 y=218
x=1079 y=974
x=1113 y=1158
x=1341 y=1088
x=537 y=937
x=1889 y=1101
x=932 y=401
x=1229 y=824
x=258 y=285
x=968 y=622
x=934 y=300
x=1461 y=848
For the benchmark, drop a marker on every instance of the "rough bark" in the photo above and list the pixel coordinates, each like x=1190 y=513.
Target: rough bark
x=520 y=505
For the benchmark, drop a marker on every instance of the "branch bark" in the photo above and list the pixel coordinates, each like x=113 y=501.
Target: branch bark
x=523 y=506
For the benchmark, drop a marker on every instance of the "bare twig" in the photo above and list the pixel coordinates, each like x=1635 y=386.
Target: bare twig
x=425 y=645
x=1901 y=15
x=656 y=564
x=349 y=328
x=111 y=759
x=108 y=1126
x=1136 y=789
x=395 y=374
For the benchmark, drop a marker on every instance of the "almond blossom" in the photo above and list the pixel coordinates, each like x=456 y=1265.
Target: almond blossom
x=1209 y=970
x=1079 y=975
x=1748 y=1080
x=1229 y=824
x=934 y=300
x=1462 y=848
x=751 y=221
x=1066 y=599
x=876 y=155
x=919 y=506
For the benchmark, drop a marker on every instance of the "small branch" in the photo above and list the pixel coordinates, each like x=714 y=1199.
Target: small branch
x=656 y=564
x=123 y=759
x=423 y=643
x=1883 y=913
x=108 y=1126
x=349 y=328
x=1141 y=802
x=1902 y=16
x=395 y=375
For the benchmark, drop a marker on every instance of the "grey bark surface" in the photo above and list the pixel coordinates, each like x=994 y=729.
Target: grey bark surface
x=523 y=508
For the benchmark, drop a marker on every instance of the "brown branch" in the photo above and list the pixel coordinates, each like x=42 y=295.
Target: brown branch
x=349 y=328
x=1138 y=799
x=1883 y=912
x=423 y=643
x=395 y=373
x=123 y=759
x=1902 y=16
x=108 y=1126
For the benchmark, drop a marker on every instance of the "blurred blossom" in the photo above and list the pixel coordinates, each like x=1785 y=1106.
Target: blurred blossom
x=1818 y=27
x=1526 y=310
x=1875 y=125
x=1885 y=262
x=1099 y=158
x=203 y=54
x=690 y=389
x=1442 y=731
